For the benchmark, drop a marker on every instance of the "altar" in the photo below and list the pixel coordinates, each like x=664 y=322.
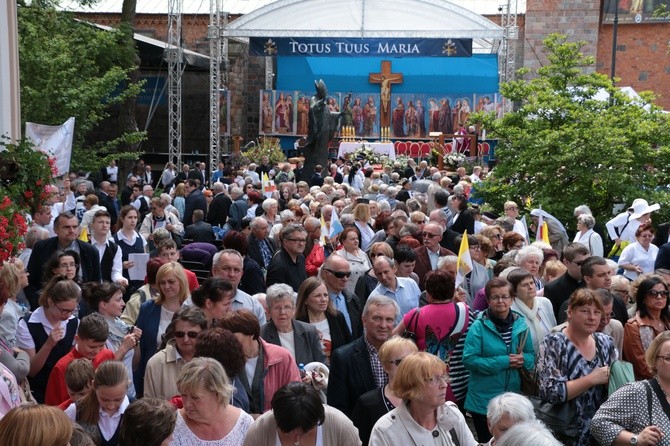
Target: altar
x=383 y=148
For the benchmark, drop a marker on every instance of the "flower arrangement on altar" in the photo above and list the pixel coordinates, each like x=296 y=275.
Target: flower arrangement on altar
x=368 y=155
x=266 y=146
x=25 y=172
x=454 y=159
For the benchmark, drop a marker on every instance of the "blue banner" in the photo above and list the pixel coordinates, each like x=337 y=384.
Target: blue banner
x=352 y=47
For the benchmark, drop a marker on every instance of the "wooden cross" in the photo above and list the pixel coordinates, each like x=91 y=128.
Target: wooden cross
x=385 y=79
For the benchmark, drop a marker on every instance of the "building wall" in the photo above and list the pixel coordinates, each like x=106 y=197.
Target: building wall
x=578 y=19
x=642 y=59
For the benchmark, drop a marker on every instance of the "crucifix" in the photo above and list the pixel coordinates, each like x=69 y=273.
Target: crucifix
x=385 y=79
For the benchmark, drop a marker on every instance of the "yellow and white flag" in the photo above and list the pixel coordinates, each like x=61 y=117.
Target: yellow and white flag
x=464 y=264
x=268 y=186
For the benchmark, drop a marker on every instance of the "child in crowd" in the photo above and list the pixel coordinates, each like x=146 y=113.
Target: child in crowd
x=167 y=250
x=104 y=404
x=78 y=380
x=90 y=340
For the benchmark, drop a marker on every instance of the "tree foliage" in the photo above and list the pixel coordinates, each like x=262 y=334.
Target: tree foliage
x=69 y=68
x=562 y=148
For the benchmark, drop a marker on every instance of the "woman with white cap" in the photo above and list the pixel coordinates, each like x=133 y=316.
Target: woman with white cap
x=622 y=228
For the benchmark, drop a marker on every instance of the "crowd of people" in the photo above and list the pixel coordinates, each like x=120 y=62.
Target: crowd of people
x=330 y=311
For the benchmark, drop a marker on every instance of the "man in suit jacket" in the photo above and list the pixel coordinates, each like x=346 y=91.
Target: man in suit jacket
x=334 y=273
x=199 y=231
x=306 y=342
x=105 y=198
x=260 y=247
x=428 y=254
x=66 y=227
x=195 y=199
x=217 y=214
x=337 y=176
x=355 y=367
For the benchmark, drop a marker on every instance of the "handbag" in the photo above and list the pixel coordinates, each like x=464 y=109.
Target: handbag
x=408 y=333
x=621 y=372
x=560 y=418
x=529 y=385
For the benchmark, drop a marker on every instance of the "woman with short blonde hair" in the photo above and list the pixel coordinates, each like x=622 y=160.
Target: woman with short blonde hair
x=421 y=381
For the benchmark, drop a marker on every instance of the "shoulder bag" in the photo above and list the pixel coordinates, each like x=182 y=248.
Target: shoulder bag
x=409 y=333
x=529 y=386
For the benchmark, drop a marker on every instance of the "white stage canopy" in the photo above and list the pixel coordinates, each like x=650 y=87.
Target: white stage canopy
x=369 y=19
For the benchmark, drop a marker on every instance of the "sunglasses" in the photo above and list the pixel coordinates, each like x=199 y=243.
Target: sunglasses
x=339 y=274
x=190 y=334
x=654 y=293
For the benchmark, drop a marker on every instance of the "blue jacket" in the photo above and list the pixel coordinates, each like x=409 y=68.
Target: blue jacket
x=148 y=319
x=485 y=355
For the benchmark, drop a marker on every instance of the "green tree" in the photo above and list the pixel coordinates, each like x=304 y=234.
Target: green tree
x=562 y=148
x=69 y=68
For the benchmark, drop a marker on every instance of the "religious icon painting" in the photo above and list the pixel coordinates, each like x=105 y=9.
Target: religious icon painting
x=371 y=116
x=347 y=110
x=443 y=120
x=411 y=117
x=266 y=114
x=421 y=110
x=433 y=114
x=224 y=116
x=357 y=114
x=398 y=115
x=302 y=113
x=283 y=112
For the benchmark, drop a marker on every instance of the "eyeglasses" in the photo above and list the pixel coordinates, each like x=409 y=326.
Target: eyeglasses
x=429 y=235
x=285 y=308
x=190 y=334
x=299 y=240
x=656 y=294
x=396 y=361
x=475 y=248
x=437 y=378
x=65 y=311
x=500 y=298
x=339 y=274
x=665 y=359
x=579 y=262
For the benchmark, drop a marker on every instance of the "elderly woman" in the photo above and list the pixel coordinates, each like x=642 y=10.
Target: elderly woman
x=315 y=307
x=440 y=328
x=299 y=338
x=512 y=240
x=159 y=218
x=268 y=366
x=638 y=413
x=48 y=334
x=160 y=377
x=378 y=402
x=299 y=417
x=537 y=310
x=215 y=298
x=651 y=318
x=506 y=410
x=155 y=315
x=587 y=236
x=271 y=211
x=529 y=433
x=496 y=347
x=207 y=417
x=424 y=415
x=285 y=217
x=530 y=258
x=357 y=258
x=574 y=364
x=639 y=257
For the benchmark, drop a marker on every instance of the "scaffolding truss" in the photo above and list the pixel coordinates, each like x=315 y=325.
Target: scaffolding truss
x=175 y=58
x=218 y=61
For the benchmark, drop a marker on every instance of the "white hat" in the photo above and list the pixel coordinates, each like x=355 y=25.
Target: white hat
x=641 y=207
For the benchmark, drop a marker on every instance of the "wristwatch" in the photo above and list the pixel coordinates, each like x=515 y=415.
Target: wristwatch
x=633 y=439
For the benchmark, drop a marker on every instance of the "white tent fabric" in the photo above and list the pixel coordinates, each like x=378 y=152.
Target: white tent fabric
x=237 y=7
x=369 y=18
